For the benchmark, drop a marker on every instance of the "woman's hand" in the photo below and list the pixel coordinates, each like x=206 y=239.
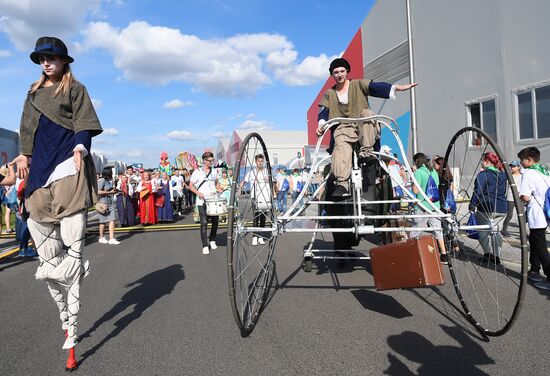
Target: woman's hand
x=22 y=164
x=405 y=87
x=77 y=160
x=320 y=127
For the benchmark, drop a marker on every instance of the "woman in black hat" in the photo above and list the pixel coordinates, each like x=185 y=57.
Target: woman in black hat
x=56 y=131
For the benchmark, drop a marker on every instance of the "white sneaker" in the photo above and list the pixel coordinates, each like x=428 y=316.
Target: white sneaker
x=254 y=240
x=102 y=240
x=213 y=245
x=261 y=241
x=70 y=342
x=114 y=241
x=205 y=250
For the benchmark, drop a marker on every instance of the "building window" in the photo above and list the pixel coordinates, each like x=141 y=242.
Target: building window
x=533 y=113
x=482 y=115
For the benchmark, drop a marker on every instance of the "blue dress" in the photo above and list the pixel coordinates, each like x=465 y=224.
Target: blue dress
x=165 y=213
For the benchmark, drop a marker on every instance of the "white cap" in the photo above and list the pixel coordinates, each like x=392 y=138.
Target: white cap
x=385 y=149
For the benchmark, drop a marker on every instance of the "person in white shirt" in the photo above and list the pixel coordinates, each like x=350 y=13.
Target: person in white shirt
x=178 y=183
x=396 y=171
x=204 y=183
x=534 y=184
x=260 y=191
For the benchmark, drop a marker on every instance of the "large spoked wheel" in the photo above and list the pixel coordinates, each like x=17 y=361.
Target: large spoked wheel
x=251 y=234
x=489 y=273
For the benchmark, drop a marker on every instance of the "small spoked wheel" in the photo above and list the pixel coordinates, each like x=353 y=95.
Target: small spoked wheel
x=251 y=233
x=488 y=269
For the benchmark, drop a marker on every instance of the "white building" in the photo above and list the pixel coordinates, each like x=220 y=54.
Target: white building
x=282 y=146
x=221 y=149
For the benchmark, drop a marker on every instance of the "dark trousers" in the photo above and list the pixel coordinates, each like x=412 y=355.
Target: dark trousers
x=538 y=252
x=187 y=198
x=259 y=220
x=204 y=223
x=177 y=205
x=22 y=233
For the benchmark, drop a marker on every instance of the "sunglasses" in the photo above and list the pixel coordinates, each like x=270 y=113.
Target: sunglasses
x=209 y=160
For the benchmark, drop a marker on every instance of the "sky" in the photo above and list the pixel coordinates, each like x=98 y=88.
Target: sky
x=176 y=75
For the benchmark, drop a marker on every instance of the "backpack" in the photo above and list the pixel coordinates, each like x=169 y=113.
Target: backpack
x=546 y=206
x=299 y=186
x=432 y=191
x=285 y=185
x=450 y=203
x=472 y=221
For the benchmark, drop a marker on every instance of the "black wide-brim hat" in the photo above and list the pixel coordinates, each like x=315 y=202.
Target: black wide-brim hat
x=50 y=46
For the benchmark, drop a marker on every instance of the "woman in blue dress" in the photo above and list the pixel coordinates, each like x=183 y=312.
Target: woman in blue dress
x=165 y=212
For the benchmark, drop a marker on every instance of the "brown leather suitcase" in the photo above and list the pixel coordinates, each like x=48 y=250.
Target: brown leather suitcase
x=412 y=263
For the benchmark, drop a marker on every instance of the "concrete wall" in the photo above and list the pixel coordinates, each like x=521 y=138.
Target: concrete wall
x=464 y=51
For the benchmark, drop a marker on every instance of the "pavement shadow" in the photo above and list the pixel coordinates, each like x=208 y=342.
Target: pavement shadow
x=14 y=261
x=272 y=283
x=442 y=305
x=336 y=285
x=381 y=303
x=221 y=239
x=146 y=292
x=434 y=359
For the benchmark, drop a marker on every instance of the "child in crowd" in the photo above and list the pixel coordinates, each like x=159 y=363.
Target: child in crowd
x=422 y=174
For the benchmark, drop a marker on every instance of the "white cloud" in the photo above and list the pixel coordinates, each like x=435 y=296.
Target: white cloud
x=5 y=53
x=118 y=154
x=180 y=135
x=311 y=70
x=257 y=125
x=247 y=116
x=176 y=103
x=101 y=141
x=97 y=103
x=219 y=134
x=110 y=132
x=234 y=66
x=134 y=153
x=25 y=20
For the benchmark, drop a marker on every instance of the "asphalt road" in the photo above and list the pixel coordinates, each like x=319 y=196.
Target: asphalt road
x=154 y=305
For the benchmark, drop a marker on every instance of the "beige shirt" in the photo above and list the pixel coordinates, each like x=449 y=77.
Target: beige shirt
x=358 y=92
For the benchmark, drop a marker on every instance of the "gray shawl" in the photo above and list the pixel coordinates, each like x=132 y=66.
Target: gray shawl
x=73 y=111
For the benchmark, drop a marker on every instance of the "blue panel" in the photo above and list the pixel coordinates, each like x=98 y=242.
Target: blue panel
x=404 y=123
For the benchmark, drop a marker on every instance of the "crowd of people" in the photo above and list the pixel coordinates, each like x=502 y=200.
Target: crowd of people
x=59 y=122
x=491 y=202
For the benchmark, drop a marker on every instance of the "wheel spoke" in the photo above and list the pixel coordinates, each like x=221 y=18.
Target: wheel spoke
x=250 y=266
x=489 y=273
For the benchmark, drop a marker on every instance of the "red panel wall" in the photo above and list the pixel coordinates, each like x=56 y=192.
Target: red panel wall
x=353 y=54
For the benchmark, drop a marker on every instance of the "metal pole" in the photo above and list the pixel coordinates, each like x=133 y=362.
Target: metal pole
x=411 y=75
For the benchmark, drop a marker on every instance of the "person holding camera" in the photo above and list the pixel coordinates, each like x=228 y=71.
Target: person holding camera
x=107 y=195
